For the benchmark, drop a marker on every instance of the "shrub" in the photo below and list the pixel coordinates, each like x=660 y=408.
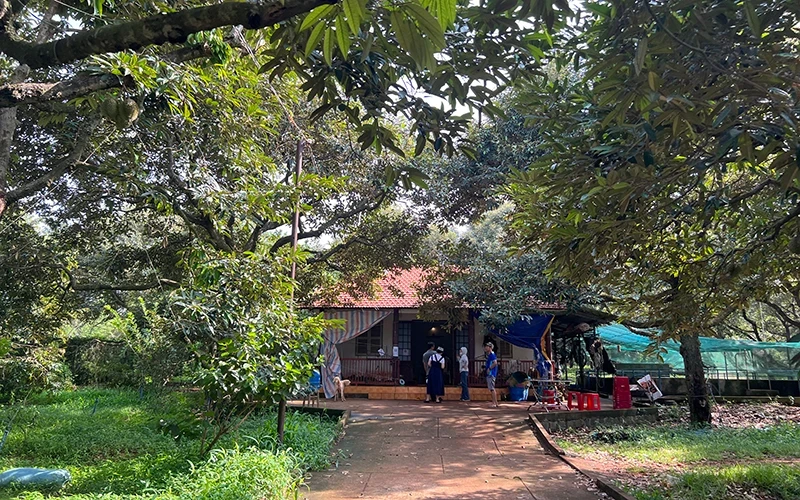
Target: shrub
x=239 y=475
x=96 y=361
x=36 y=368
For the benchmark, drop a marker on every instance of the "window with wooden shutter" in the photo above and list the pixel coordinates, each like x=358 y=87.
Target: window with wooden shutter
x=368 y=343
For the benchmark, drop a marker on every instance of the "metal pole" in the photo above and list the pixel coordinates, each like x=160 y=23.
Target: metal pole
x=298 y=169
x=725 y=357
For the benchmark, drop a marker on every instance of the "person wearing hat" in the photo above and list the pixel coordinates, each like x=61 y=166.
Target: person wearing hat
x=491 y=370
x=435 y=377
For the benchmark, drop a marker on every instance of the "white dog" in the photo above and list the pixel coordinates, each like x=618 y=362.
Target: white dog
x=339 y=386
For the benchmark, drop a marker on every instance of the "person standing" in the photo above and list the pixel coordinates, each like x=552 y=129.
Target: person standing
x=435 y=377
x=491 y=370
x=463 y=367
x=426 y=356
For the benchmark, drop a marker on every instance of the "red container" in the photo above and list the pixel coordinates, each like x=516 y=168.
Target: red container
x=622 y=393
x=549 y=396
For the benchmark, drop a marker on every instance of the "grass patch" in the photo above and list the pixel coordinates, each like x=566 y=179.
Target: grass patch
x=779 y=481
x=116 y=446
x=670 y=445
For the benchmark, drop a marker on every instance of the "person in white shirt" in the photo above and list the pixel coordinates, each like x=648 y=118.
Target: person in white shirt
x=463 y=366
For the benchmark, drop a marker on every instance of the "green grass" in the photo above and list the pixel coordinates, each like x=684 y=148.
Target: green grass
x=670 y=445
x=706 y=463
x=705 y=483
x=120 y=450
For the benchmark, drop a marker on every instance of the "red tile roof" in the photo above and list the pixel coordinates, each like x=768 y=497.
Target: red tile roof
x=397 y=289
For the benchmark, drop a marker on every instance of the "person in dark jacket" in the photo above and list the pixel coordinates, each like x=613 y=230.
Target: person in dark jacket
x=436 y=366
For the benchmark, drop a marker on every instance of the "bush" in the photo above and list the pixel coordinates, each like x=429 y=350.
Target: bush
x=39 y=368
x=115 y=446
x=240 y=475
x=96 y=361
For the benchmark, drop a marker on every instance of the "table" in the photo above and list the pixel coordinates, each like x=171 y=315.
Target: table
x=556 y=385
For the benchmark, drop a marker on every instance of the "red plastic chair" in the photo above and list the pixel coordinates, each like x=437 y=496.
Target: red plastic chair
x=574 y=400
x=591 y=401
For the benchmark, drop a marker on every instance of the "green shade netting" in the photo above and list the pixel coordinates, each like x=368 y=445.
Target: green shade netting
x=625 y=346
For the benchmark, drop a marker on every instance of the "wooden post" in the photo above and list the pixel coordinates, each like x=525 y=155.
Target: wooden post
x=471 y=339
x=396 y=342
x=298 y=169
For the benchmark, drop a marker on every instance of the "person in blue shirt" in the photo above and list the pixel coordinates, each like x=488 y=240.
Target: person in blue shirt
x=491 y=370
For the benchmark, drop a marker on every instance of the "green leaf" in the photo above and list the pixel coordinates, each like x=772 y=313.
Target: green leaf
x=599 y=9
x=355 y=13
x=315 y=16
x=651 y=81
x=427 y=24
x=641 y=53
x=327 y=47
x=403 y=32
x=420 y=146
x=789 y=174
x=313 y=38
x=98 y=7
x=746 y=147
x=342 y=36
x=443 y=11
x=592 y=192
x=752 y=18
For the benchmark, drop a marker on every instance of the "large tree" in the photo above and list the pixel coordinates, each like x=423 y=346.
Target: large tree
x=371 y=61
x=479 y=269
x=674 y=179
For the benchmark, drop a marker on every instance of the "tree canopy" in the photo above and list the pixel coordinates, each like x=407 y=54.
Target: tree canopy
x=673 y=179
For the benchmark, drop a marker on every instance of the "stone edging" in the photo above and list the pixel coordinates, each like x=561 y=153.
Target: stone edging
x=547 y=442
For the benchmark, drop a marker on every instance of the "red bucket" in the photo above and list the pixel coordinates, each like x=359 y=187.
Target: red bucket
x=549 y=396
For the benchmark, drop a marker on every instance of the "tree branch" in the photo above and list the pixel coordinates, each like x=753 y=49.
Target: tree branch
x=753 y=324
x=260 y=229
x=721 y=317
x=8 y=125
x=361 y=207
x=784 y=316
x=57 y=171
x=91 y=287
x=153 y=30
x=17 y=94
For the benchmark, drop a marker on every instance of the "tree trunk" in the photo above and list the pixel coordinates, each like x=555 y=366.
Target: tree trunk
x=699 y=404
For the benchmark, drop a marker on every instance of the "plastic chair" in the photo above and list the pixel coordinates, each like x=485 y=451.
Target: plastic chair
x=311 y=393
x=574 y=400
x=591 y=401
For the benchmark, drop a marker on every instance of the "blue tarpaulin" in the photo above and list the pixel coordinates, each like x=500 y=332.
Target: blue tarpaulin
x=529 y=333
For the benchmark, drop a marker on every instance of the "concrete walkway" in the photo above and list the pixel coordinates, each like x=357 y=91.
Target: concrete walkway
x=453 y=450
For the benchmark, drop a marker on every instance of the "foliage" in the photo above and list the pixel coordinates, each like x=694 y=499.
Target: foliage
x=681 y=445
x=113 y=444
x=479 y=269
x=96 y=361
x=237 y=315
x=31 y=302
x=719 y=483
x=462 y=187
x=33 y=369
x=159 y=352
x=240 y=474
x=676 y=155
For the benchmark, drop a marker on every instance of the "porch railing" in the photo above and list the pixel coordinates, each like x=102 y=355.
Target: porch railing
x=370 y=371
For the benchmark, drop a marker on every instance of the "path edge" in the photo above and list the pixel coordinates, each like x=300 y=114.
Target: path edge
x=602 y=483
